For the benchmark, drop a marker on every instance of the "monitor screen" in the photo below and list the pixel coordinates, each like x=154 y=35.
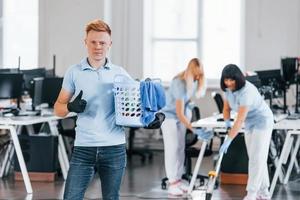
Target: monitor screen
x=51 y=89
x=288 y=69
x=37 y=91
x=9 y=70
x=271 y=78
x=30 y=74
x=10 y=85
x=254 y=80
x=50 y=73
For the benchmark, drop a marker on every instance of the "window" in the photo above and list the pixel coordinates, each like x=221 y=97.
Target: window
x=20 y=33
x=221 y=35
x=172 y=36
x=176 y=31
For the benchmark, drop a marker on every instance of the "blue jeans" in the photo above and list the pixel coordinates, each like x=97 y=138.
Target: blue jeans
x=108 y=161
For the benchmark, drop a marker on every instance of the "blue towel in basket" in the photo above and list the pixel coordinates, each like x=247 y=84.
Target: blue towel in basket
x=152 y=100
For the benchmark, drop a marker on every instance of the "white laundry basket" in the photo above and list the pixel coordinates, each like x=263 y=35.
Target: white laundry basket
x=127 y=101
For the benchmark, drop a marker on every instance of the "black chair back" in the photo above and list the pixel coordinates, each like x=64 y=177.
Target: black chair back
x=219 y=101
x=195 y=114
x=190 y=138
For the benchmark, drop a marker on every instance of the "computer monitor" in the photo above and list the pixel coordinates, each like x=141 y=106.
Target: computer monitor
x=254 y=80
x=289 y=69
x=51 y=89
x=50 y=73
x=9 y=70
x=37 y=90
x=271 y=78
x=30 y=74
x=11 y=85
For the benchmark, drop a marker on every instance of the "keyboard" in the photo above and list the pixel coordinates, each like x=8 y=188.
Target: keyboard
x=28 y=113
x=293 y=116
x=222 y=120
x=279 y=117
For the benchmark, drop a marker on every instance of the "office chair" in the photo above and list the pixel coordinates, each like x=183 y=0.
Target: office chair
x=190 y=152
x=219 y=101
x=131 y=150
x=144 y=152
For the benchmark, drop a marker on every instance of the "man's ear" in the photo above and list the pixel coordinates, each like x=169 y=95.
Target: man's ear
x=109 y=46
x=85 y=43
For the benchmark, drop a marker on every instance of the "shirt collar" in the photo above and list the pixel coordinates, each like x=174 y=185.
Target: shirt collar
x=85 y=65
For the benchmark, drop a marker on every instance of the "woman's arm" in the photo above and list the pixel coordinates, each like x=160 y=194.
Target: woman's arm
x=241 y=116
x=180 y=114
x=226 y=110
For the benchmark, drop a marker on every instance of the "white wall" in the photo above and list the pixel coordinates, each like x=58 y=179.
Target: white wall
x=127 y=35
x=272 y=30
x=61 y=32
x=62 y=24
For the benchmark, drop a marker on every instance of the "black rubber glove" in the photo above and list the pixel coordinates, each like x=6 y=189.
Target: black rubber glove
x=157 y=122
x=78 y=104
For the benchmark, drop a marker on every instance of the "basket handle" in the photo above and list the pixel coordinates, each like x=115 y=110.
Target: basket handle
x=122 y=78
x=154 y=80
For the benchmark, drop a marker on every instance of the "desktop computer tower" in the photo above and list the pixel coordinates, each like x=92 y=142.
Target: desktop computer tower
x=39 y=152
x=234 y=167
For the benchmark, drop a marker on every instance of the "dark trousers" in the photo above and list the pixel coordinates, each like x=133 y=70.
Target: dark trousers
x=108 y=161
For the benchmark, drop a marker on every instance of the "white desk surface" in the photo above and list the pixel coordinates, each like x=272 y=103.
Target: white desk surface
x=209 y=122
x=288 y=124
x=29 y=120
x=281 y=122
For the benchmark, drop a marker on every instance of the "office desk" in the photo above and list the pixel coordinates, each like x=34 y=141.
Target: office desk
x=211 y=123
x=293 y=134
x=293 y=130
x=14 y=126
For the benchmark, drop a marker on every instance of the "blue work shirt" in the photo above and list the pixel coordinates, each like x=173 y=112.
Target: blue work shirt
x=177 y=91
x=96 y=126
x=259 y=114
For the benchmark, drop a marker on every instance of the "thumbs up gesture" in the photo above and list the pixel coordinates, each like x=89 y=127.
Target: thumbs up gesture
x=78 y=104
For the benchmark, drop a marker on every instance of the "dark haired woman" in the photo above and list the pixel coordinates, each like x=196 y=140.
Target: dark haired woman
x=243 y=97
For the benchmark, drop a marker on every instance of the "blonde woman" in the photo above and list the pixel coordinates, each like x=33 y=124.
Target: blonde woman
x=188 y=83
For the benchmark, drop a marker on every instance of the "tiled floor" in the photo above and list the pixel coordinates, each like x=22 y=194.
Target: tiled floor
x=141 y=181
